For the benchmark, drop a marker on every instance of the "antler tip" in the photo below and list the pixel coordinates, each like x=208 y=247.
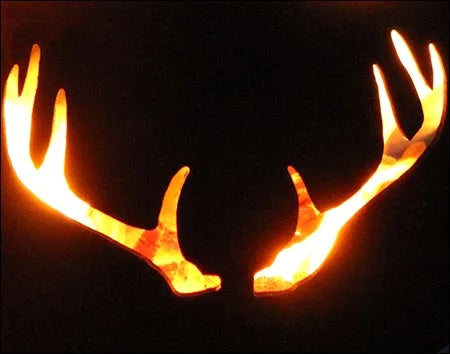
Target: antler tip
x=35 y=50
x=433 y=51
x=291 y=169
x=14 y=71
x=394 y=33
x=185 y=170
x=376 y=69
x=61 y=95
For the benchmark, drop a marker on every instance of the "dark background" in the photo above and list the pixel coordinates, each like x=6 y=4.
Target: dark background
x=236 y=91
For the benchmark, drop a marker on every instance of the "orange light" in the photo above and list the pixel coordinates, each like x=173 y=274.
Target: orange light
x=159 y=247
x=316 y=232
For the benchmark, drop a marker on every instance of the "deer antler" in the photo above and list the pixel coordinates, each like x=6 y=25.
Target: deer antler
x=159 y=247
x=316 y=232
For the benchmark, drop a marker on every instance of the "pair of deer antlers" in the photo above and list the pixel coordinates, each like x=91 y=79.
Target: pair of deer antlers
x=316 y=231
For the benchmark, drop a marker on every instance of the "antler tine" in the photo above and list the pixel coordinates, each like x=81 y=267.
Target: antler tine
x=17 y=112
x=307 y=211
x=159 y=247
x=56 y=153
x=407 y=59
x=168 y=213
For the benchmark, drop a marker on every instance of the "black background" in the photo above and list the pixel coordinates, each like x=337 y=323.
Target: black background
x=236 y=91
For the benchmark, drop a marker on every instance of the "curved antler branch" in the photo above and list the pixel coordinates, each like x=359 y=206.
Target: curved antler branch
x=316 y=232
x=159 y=247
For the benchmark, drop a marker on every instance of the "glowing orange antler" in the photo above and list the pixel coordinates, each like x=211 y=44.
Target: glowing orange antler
x=316 y=232
x=159 y=247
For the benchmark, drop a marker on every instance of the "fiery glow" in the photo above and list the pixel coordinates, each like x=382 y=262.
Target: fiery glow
x=316 y=232
x=159 y=247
